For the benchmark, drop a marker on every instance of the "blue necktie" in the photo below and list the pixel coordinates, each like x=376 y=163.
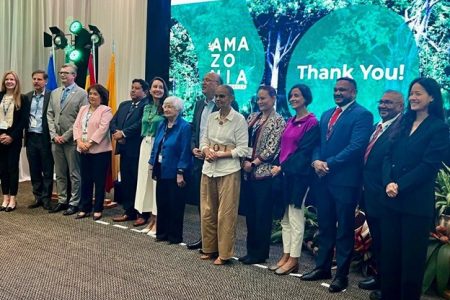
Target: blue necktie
x=64 y=96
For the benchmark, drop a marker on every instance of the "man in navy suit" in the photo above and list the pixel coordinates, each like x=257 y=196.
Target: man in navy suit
x=37 y=141
x=390 y=108
x=125 y=128
x=338 y=162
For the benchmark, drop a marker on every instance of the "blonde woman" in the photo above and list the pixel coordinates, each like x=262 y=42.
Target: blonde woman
x=14 y=110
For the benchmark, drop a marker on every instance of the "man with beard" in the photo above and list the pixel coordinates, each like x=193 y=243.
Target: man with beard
x=203 y=108
x=37 y=141
x=338 y=163
x=390 y=108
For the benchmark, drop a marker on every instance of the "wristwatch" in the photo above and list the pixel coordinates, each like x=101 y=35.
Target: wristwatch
x=180 y=171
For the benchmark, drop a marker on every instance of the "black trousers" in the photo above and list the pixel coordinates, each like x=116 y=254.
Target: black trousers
x=9 y=167
x=375 y=233
x=336 y=205
x=258 y=217
x=170 y=200
x=128 y=175
x=405 y=240
x=40 y=160
x=93 y=169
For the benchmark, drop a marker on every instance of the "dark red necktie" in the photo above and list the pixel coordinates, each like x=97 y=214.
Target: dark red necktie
x=333 y=120
x=372 y=141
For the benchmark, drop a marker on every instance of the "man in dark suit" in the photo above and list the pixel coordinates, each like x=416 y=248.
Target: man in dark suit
x=63 y=107
x=338 y=163
x=390 y=108
x=203 y=108
x=125 y=128
x=37 y=142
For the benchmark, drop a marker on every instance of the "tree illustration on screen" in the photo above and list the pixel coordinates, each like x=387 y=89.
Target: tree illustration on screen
x=183 y=69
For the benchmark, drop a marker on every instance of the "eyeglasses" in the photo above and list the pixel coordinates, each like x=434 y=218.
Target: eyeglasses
x=65 y=73
x=386 y=102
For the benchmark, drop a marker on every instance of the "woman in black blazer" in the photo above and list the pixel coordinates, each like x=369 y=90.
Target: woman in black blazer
x=13 y=117
x=409 y=174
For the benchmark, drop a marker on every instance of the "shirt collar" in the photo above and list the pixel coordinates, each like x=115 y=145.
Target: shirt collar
x=40 y=94
x=347 y=105
x=229 y=116
x=70 y=87
x=389 y=122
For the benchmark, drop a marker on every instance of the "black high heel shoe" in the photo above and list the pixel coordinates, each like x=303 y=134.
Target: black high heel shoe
x=2 y=208
x=9 y=208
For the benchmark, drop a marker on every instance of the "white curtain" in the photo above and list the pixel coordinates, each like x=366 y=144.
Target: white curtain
x=123 y=22
x=22 y=26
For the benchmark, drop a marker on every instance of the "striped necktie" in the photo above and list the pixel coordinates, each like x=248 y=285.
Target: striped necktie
x=333 y=120
x=373 y=139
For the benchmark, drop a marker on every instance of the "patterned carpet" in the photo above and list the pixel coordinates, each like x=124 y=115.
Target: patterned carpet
x=51 y=256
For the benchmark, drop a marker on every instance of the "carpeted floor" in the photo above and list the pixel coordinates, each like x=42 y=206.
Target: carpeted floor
x=51 y=256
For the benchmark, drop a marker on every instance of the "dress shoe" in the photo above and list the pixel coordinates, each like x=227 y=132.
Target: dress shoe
x=70 y=211
x=59 y=207
x=122 y=218
x=253 y=260
x=242 y=258
x=35 y=205
x=174 y=242
x=2 y=208
x=338 y=284
x=139 y=222
x=195 y=245
x=161 y=239
x=97 y=216
x=82 y=215
x=370 y=283
x=47 y=206
x=316 y=274
x=283 y=271
x=375 y=295
x=9 y=208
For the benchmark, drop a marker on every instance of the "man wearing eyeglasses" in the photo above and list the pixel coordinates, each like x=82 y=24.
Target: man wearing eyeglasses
x=65 y=102
x=390 y=108
x=203 y=108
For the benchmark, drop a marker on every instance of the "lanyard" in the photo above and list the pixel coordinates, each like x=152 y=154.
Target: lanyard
x=5 y=111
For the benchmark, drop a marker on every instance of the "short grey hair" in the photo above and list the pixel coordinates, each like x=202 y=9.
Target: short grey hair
x=71 y=65
x=177 y=103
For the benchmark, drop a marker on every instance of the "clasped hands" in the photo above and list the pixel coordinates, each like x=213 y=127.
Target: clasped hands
x=5 y=139
x=392 y=190
x=84 y=146
x=321 y=168
x=211 y=156
x=118 y=136
x=59 y=139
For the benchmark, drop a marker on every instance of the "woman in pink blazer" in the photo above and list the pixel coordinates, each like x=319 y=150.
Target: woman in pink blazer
x=91 y=133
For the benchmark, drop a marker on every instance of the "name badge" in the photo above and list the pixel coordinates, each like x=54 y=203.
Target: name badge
x=33 y=123
x=3 y=125
x=160 y=158
x=249 y=152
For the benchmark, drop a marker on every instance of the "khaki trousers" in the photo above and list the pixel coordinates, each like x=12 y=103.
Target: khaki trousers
x=219 y=198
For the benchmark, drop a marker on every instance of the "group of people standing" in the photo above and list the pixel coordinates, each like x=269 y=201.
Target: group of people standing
x=222 y=157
